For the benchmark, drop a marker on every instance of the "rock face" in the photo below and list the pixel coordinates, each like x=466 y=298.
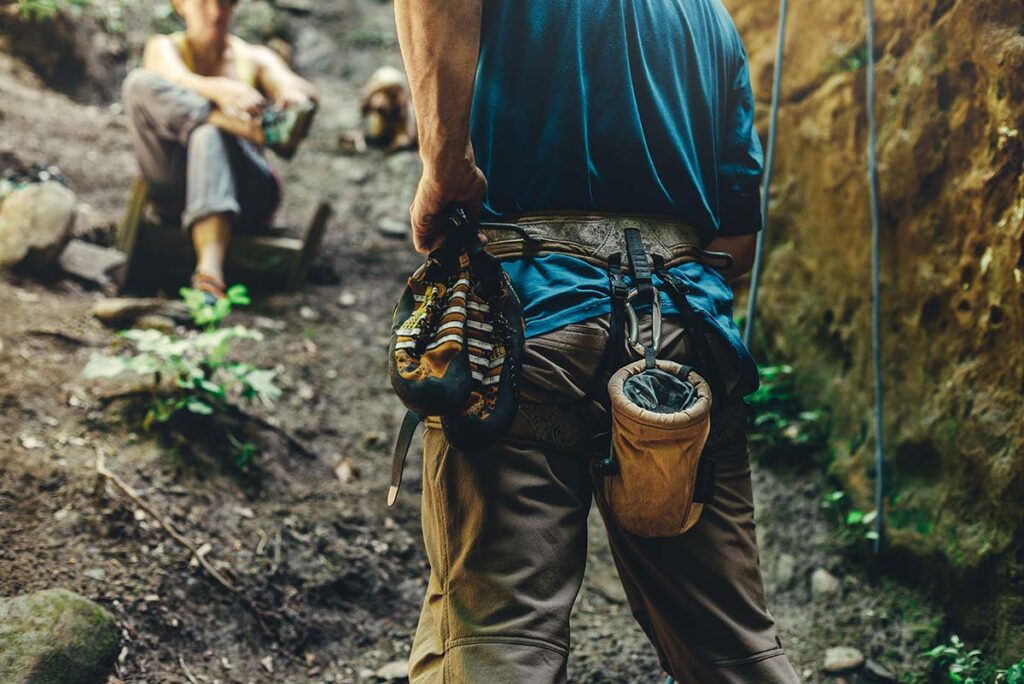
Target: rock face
x=951 y=146
x=55 y=637
x=35 y=224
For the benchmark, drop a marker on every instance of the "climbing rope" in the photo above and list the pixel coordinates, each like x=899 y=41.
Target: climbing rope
x=876 y=296
x=872 y=170
x=769 y=165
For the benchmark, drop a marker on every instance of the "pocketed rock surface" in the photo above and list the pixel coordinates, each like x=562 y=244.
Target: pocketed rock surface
x=332 y=578
x=950 y=114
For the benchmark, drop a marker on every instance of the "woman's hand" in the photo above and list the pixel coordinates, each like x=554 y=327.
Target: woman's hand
x=237 y=99
x=460 y=182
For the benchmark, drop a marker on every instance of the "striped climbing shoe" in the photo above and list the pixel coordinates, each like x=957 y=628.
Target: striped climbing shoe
x=457 y=340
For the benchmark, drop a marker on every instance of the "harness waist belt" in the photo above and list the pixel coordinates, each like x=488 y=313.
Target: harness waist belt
x=592 y=237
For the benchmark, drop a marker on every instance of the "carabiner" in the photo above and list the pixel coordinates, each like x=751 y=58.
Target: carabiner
x=633 y=323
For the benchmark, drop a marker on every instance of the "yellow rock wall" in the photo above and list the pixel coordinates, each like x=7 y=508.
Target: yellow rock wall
x=951 y=126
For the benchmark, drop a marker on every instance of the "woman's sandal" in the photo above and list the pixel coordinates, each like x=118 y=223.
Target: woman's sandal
x=213 y=288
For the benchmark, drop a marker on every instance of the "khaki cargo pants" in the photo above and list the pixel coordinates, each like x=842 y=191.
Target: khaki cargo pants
x=506 y=536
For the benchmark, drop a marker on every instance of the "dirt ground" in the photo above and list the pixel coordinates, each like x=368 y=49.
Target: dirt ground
x=335 y=578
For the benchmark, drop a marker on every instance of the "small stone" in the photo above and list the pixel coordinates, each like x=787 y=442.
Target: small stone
x=308 y=313
x=98 y=574
x=36 y=223
x=785 y=571
x=823 y=584
x=268 y=664
x=271 y=324
x=55 y=636
x=31 y=442
x=393 y=228
x=878 y=673
x=347 y=299
x=99 y=265
x=842 y=658
x=395 y=671
x=346 y=471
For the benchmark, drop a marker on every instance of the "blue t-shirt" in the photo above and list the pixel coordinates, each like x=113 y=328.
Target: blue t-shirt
x=637 y=106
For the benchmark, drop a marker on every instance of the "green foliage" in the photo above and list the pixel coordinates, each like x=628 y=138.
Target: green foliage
x=1012 y=675
x=194 y=373
x=39 y=10
x=854 y=59
x=780 y=425
x=961 y=666
x=210 y=315
x=852 y=523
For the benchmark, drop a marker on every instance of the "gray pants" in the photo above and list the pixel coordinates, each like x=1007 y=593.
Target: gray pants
x=194 y=168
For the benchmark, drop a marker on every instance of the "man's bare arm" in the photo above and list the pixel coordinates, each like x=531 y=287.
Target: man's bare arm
x=741 y=247
x=440 y=42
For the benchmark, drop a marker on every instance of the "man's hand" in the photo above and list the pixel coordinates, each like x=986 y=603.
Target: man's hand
x=463 y=183
x=237 y=99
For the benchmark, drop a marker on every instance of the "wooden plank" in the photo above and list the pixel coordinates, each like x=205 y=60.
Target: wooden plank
x=312 y=240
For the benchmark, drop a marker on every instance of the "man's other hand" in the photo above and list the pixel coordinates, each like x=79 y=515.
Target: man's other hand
x=461 y=182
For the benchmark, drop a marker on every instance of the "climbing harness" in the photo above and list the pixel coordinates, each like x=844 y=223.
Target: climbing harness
x=872 y=172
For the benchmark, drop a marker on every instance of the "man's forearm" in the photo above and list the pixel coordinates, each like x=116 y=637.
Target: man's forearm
x=440 y=41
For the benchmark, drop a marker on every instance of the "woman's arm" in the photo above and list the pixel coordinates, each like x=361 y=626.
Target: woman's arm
x=280 y=83
x=232 y=97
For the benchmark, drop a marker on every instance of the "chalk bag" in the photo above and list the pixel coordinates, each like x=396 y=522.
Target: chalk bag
x=661 y=418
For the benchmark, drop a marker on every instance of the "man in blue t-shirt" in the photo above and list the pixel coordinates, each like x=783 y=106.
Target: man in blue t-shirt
x=573 y=118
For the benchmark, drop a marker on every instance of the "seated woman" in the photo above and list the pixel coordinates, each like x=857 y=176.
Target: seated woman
x=201 y=109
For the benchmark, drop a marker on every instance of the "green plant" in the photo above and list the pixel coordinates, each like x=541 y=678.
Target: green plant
x=853 y=523
x=36 y=10
x=194 y=373
x=1011 y=675
x=779 y=424
x=962 y=666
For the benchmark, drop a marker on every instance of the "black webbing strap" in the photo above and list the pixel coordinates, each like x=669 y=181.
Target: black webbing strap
x=638 y=260
x=698 y=333
x=402 y=444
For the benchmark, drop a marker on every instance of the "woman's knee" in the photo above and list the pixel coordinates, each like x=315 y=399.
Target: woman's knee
x=140 y=85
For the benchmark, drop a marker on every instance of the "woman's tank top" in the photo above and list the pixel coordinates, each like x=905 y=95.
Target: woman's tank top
x=243 y=66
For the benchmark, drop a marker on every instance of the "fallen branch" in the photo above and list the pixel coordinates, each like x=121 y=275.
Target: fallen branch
x=293 y=442
x=103 y=472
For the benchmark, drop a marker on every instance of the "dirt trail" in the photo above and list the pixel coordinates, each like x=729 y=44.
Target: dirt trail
x=337 y=577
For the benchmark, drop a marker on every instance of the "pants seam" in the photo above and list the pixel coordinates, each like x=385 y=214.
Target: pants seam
x=446 y=589
x=519 y=641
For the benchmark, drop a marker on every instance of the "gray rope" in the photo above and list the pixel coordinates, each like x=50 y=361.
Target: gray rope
x=876 y=296
x=769 y=165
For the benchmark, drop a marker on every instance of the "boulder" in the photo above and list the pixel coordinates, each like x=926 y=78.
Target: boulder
x=55 y=637
x=35 y=224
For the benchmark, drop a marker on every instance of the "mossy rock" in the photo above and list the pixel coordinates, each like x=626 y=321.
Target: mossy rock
x=55 y=637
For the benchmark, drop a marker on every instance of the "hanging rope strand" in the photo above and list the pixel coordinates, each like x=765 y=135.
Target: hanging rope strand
x=876 y=295
x=769 y=164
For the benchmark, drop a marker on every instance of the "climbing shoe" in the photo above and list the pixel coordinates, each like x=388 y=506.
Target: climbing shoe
x=457 y=340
